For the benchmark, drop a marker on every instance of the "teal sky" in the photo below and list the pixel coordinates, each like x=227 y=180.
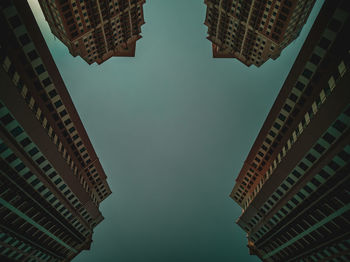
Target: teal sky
x=172 y=128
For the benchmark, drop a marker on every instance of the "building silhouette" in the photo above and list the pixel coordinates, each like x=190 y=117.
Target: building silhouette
x=294 y=184
x=254 y=31
x=96 y=30
x=52 y=181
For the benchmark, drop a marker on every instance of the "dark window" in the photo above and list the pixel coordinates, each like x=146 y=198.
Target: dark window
x=324 y=43
x=16 y=131
x=52 y=93
x=11 y=158
x=307 y=73
x=287 y=108
x=290 y=181
x=324 y=174
x=333 y=165
x=24 y=39
x=315 y=182
x=6 y=119
x=282 y=117
x=328 y=137
x=300 y=86
x=33 y=151
x=26 y=141
x=58 y=103
x=293 y=97
x=63 y=113
x=276 y=125
x=47 y=81
x=296 y=173
x=15 y=21
x=320 y=149
x=40 y=160
x=315 y=59
x=344 y=155
x=307 y=189
x=35 y=182
x=33 y=55
x=57 y=181
x=28 y=175
x=47 y=167
x=53 y=174
x=71 y=130
x=40 y=69
x=284 y=186
x=19 y=167
x=67 y=122
x=301 y=195
x=334 y=25
x=340 y=126
x=303 y=166
x=311 y=158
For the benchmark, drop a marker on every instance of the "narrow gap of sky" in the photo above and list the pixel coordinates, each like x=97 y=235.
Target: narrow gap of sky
x=172 y=128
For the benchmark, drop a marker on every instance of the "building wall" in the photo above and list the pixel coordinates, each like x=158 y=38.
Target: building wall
x=293 y=186
x=256 y=30
x=51 y=179
x=96 y=30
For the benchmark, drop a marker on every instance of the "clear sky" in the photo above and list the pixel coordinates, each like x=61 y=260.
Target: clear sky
x=172 y=128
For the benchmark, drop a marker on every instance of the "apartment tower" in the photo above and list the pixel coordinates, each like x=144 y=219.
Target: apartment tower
x=254 y=31
x=96 y=29
x=52 y=181
x=294 y=186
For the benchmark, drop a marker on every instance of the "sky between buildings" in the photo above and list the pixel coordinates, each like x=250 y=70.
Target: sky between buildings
x=172 y=128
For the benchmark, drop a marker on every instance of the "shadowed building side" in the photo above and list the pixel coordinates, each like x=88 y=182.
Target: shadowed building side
x=52 y=181
x=294 y=184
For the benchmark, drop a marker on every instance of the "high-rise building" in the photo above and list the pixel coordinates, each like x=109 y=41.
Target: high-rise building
x=294 y=186
x=51 y=180
x=96 y=29
x=254 y=31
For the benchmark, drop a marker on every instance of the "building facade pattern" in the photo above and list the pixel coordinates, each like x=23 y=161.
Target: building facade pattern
x=294 y=185
x=51 y=179
x=98 y=29
x=254 y=31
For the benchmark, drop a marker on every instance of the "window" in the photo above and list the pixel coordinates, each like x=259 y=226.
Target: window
x=63 y=113
x=33 y=55
x=287 y=108
x=24 y=39
x=328 y=137
x=26 y=141
x=33 y=151
x=57 y=181
x=315 y=59
x=15 y=21
x=334 y=25
x=324 y=43
x=333 y=165
x=40 y=69
x=307 y=73
x=320 y=149
x=47 y=81
x=52 y=93
x=40 y=160
x=300 y=86
x=340 y=126
x=16 y=131
x=311 y=158
x=6 y=119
